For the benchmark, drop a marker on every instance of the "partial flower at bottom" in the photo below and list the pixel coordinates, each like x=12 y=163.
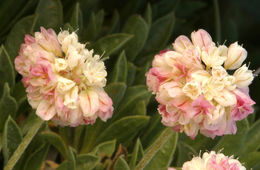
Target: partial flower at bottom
x=64 y=81
x=194 y=87
x=212 y=161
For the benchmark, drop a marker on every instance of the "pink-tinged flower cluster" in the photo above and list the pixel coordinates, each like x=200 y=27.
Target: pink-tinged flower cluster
x=64 y=81
x=213 y=161
x=194 y=90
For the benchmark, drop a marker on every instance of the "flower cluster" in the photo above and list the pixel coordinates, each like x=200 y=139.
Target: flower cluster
x=194 y=89
x=212 y=161
x=64 y=81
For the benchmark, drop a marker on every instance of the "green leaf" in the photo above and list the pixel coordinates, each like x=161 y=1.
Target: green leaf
x=185 y=153
x=136 y=26
x=162 y=159
x=140 y=108
x=8 y=106
x=6 y=70
x=252 y=139
x=12 y=137
x=152 y=131
x=94 y=25
x=121 y=164
x=78 y=133
x=19 y=93
x=34 y=162
x=154 y=148
x=23 y=145
x=133 y=95
x=233 y=144
x=76 y=20
x=49 y=14
x=114 y=23
x=83 y=161
x=148 y=15
x=105 y=148
x=140 y=77
x=138 y=152
x=159 y=35
x=116 y=91
x=123 y=129
x=119 y=73
x=71 y=163
x=55 y=140
x=131 y=71
x=110 y=44
x=8 y=10
x=250 y=159
x=16 y=35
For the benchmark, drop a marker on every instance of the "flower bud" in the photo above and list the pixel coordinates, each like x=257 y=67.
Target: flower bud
x=243 y=76
x=236 y=55
x=202 y=39
x=182 y=43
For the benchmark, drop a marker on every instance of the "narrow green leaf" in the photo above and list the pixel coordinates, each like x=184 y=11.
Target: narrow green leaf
x=133 y=95
x=119 y=73
x=121 y=164
x=71 y=163
x=135 y=155
x=114 y=23
x=78 y=134
x=162 y=159
x=140 y=76
x=34 y=162
x=76 y=20
x=23 y=145
x=252 y=139
x=7 y=72
x=233 y=144
x=12 y=137
x=131 y=71
x=55 y=140
x=159 y=36
x=94 y=25
x=19 y=93
x=110 y=44
x=49 y=14
x=123 y=129
x=8 y=106
x=154 y=148
x=116 y=91
x=250 y=159
x=83 y=161
x=185 y=153
x=16 y=36
x=148 y=15
x=136 y=26
x=105 y=149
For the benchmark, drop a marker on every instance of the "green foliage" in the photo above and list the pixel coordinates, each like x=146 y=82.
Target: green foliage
x=127 y=34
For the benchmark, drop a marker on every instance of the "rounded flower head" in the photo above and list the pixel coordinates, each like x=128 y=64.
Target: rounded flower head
x=195 y=91
x=64 y=81
x=213 y=161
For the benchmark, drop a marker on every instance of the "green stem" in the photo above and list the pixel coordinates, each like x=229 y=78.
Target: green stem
x=23 y=145
x=154 y=148
x=217 y=21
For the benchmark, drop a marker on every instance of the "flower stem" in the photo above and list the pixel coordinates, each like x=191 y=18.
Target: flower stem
x=23 y=145
x=154 y=148
x=217 y=21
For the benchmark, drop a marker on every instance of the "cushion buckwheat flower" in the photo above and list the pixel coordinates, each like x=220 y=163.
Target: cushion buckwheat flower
x=195 y=91
x=213 y=161
x=64 y=81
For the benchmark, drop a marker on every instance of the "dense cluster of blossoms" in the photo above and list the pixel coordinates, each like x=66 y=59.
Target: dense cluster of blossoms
x=64 y=81
x=195 y=91
x=212 y=161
